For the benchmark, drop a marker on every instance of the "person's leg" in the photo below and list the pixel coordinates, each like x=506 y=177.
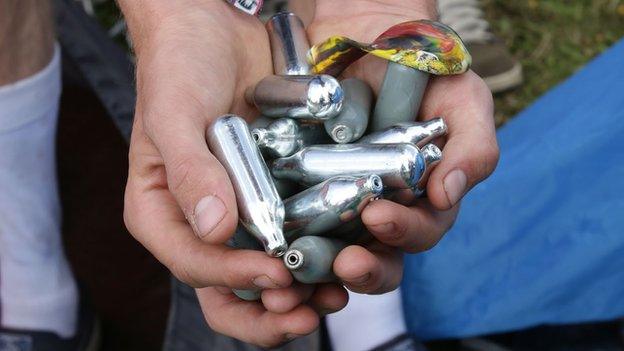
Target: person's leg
x=37 y=290
x=371 y=322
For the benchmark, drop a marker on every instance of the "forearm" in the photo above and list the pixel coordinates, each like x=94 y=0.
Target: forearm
x=417 y=9
x=149 y=18
x=26 y=38
x=361 y=20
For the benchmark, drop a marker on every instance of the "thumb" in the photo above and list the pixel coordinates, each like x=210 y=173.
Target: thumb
x=195 y=178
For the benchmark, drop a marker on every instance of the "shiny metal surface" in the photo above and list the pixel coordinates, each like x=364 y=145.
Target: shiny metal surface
x=285 y=136
x=326 y=206
x=432 y=156
x=400 y=166
x=399 y=97
x=289 y=44
x=417 y=133
x=310 y=259
x=352 y=121
x=260 y=209
x=303 y=97
x=286 y=188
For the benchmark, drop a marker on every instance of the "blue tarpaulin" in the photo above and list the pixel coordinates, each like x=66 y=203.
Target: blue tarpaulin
x=542 y=240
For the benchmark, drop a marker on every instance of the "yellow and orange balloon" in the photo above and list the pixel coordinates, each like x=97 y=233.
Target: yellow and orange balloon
x=425 y=45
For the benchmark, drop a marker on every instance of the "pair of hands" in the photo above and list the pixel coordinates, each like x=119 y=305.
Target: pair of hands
x=195 y=59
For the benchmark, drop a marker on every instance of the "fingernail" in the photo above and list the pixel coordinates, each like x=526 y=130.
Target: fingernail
x=385 y=228
x=360 y=280
x=264 y=282
x=209 y=211
x=455 y=186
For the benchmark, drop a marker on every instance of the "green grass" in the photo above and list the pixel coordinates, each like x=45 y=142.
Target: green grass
x=552 y=39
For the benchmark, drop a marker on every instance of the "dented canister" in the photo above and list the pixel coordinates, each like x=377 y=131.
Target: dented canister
x=285 y=136
x=352 y=121
x=302 y=97
x=400 y=166
x=417 y=133
x=310 y=259
x=260 y=209
x=326 y=206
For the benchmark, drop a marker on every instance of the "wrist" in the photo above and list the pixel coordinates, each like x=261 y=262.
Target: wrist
x=364 y=20
x=417 y=9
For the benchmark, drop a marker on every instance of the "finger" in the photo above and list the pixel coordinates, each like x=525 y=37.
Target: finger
x=471 y=150
x=250 y=322
x=412 y=229
x=329 y=298
x=286 y=299
x=175 y=112
x=196 y=179
x=155 y=220
x=374 y=271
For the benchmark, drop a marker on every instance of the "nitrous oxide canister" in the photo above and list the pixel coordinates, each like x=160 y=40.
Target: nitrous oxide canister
x=400 y=166
x=326 y=206
x=310 y=259
x=417 y=133
x=260 y=209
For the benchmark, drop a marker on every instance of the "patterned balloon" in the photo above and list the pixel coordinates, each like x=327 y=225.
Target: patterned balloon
x=425 y=45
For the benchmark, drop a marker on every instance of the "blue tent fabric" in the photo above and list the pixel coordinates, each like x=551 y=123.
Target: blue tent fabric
x=542 y=240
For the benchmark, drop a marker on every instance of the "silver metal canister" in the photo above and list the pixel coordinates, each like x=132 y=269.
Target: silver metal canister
x=433 y=156
x=260 y=208
x=399 y=97
x=289 y=44
x=400 y=166
x=285 y=136
x=301 y=97
x=352 y=121
x=310 y=259
x=417 y=133
x=326 y=206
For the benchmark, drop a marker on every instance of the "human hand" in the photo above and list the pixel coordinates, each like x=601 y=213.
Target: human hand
x=470 y=148
x=195 y=59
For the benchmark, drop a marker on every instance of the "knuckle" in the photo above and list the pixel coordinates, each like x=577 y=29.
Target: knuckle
x=427 y=244
x=180 y=171
x=214 y=323
x=128 y=219
x=491 y=156
x=402 y=231
x=229 y=275
x=181 y=268
x=182 y=274
x=128 y=215
x=130 y=212
x=484 y=161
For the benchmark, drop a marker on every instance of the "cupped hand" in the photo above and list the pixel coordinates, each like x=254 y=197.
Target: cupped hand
x=470 y=148
x=195 y=59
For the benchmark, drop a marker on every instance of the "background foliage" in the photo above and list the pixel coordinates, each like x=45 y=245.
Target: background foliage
x=552 y=39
